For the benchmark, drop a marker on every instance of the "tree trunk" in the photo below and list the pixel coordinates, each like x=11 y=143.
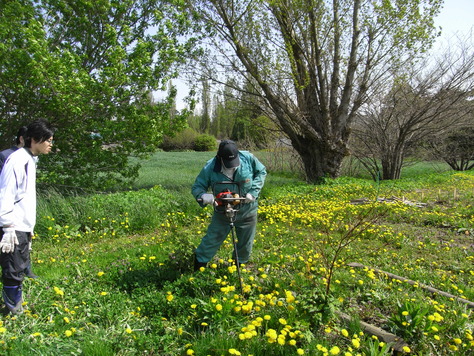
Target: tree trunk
x=319 y=160
x=392 y=165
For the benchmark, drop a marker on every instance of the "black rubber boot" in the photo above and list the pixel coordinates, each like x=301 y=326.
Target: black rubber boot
x=198 y=265
x=12 y=297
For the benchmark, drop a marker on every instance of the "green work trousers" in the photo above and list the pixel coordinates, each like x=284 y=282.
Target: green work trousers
x=245 y=226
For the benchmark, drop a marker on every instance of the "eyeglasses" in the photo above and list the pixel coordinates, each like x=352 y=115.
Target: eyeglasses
x=50 y=141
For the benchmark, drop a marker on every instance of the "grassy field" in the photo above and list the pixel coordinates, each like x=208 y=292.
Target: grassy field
x=176 y=171
x=116 y=277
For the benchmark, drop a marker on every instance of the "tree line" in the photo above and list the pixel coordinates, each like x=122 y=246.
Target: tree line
x=332 y=78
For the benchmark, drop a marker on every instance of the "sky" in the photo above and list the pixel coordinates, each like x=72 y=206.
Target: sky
x=456 y=18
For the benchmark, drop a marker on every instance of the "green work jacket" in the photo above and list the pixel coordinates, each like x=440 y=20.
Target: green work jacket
x=249 y=177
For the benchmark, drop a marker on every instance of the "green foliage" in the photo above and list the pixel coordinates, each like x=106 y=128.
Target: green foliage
x=90 y=69
x=205 y=143
x=104 y=214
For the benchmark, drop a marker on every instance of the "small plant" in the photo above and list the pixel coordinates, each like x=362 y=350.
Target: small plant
x=374 y=347
x=411 y=320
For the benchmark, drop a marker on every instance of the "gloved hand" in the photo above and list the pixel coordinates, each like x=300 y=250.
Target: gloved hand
x=207 y=198
x=249 y=198
x=9 y=240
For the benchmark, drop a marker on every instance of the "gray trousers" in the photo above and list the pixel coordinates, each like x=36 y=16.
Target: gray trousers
x=14 y=264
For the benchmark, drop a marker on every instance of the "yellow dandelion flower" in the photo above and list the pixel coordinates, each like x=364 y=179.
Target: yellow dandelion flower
x=68 y=333
x=103 y=293
x=58 y=291
x=300 y=352
x=335 y=350
x=100 y=274
x=344 y=333
x=406 y=349
x=218 y=307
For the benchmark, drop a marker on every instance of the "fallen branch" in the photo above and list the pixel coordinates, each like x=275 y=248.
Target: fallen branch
x=409 y=281
x=382 y=335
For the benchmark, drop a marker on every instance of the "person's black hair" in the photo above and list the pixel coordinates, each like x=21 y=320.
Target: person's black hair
x=39 y=130
x=21 y=133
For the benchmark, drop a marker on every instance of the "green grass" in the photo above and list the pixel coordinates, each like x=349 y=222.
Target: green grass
x=172 y=170
x=116 y=279
x=176 y=171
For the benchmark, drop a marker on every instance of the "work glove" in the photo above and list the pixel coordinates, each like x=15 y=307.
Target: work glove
x=207 y=198
x=9 y=240
x=249 y=198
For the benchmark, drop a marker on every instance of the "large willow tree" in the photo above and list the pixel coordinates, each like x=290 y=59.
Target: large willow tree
x=317 y=61
x=90 y=68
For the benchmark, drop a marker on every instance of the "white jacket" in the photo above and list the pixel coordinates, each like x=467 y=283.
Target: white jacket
x=18 y=191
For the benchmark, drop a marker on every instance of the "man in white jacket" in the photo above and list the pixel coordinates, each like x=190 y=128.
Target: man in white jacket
x=20 y=142
x=18 y=210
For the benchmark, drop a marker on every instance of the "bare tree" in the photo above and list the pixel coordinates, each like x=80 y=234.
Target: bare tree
x=428 y=99
x=315 y=61
x=455 y=147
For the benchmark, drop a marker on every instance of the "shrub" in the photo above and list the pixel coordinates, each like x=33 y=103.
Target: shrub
x=205 y=143
x=182 y=141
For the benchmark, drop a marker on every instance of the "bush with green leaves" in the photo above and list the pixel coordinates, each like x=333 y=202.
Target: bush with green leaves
x=182 y=141
x=205 y=143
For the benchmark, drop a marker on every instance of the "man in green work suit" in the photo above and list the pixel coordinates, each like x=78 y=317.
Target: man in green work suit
x=240 y=172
